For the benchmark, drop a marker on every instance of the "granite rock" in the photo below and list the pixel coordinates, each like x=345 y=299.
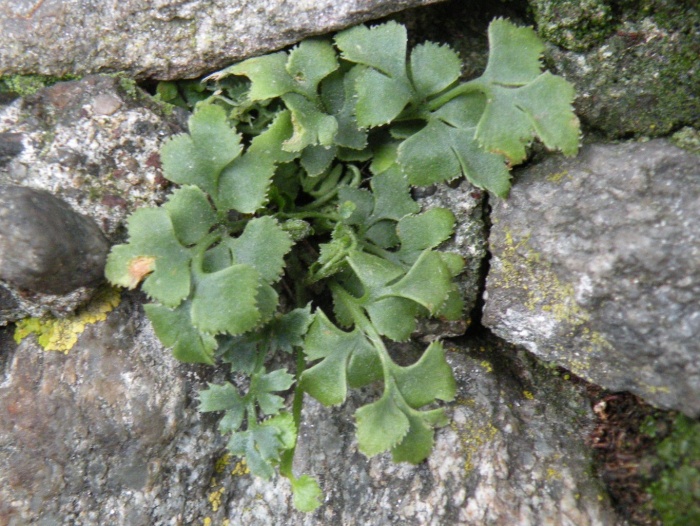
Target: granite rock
x=595 y=267
x=94 y=144
x=167 y=39
x=109 y=434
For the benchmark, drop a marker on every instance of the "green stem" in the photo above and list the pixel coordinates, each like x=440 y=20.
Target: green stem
x=381 y=252
x=308 y=214
x=476 y=85
x=201 y=247
x=366 y=326
x=287 y=459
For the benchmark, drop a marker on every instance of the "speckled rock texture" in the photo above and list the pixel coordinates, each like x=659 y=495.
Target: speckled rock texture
x=595 y=267
x=95 y=145
x=513 y=453
x=45 y=246
x=109 y=434
x=106 y=434
x=166 y=39
x=469 y=240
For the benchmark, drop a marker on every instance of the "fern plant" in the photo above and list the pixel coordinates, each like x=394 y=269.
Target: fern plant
x=293 y=230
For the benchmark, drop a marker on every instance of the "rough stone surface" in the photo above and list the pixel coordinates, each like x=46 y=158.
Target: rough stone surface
x=94 y=144
x=595 y=267
x=513 y=453
x=469 y=239
x=167 y=39
x=45 y=246
x=108 y=434
x=635 y=65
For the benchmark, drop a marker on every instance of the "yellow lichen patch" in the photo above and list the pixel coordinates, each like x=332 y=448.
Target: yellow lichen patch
x=61 y=334
x=214 y=498
x=553 y=474
x=221 y=464
x=487 y=366
x=522 y=268
x=558 y=176
x=240 y=469
x=473 y=435
x=528 y=395
x=206 y=522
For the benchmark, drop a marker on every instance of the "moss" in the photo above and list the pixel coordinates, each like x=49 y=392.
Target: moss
x=676 y=492
x=61 y=334
x=23 y=85
x=573 y=24
x=687 y=138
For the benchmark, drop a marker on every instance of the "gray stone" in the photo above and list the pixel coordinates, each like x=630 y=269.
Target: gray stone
x=94 y=144
x=469 y=240
x=45 y=246
x=105 y=434
x=595 y=267
x=513 y=453
x=109 y=434
x=167 y=39
x=635 y=66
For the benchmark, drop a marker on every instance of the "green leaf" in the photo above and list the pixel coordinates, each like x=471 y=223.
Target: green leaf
x=381 y=425
x=433 y=68
x=382 y=87
x=264 y=384
x=394 y=317
x=327 y=380
x=226 y=398
x=317 y=159
x=263 y=444
x=225 y=301
x=373 y=271
x=427 y=380
x=392 y=196
x=419 y=440
x=514 y=54
x=174 y=329
x=417 y=444
x=382 y=47
x=287 y=331
x=191 y=214
x=310 y=124
x=428 y=282
x=219 y=398
x=541 y=108
x=199 y=157
x=268 y=144
x=380 y=99
x=426 y=230
x=245 y=182
x=363 y=204
x=262 y=245
x=307 y=493
x=310 y=62
x=338 y=95
x=442 y=152
x=154 y=253
x=268 y=75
